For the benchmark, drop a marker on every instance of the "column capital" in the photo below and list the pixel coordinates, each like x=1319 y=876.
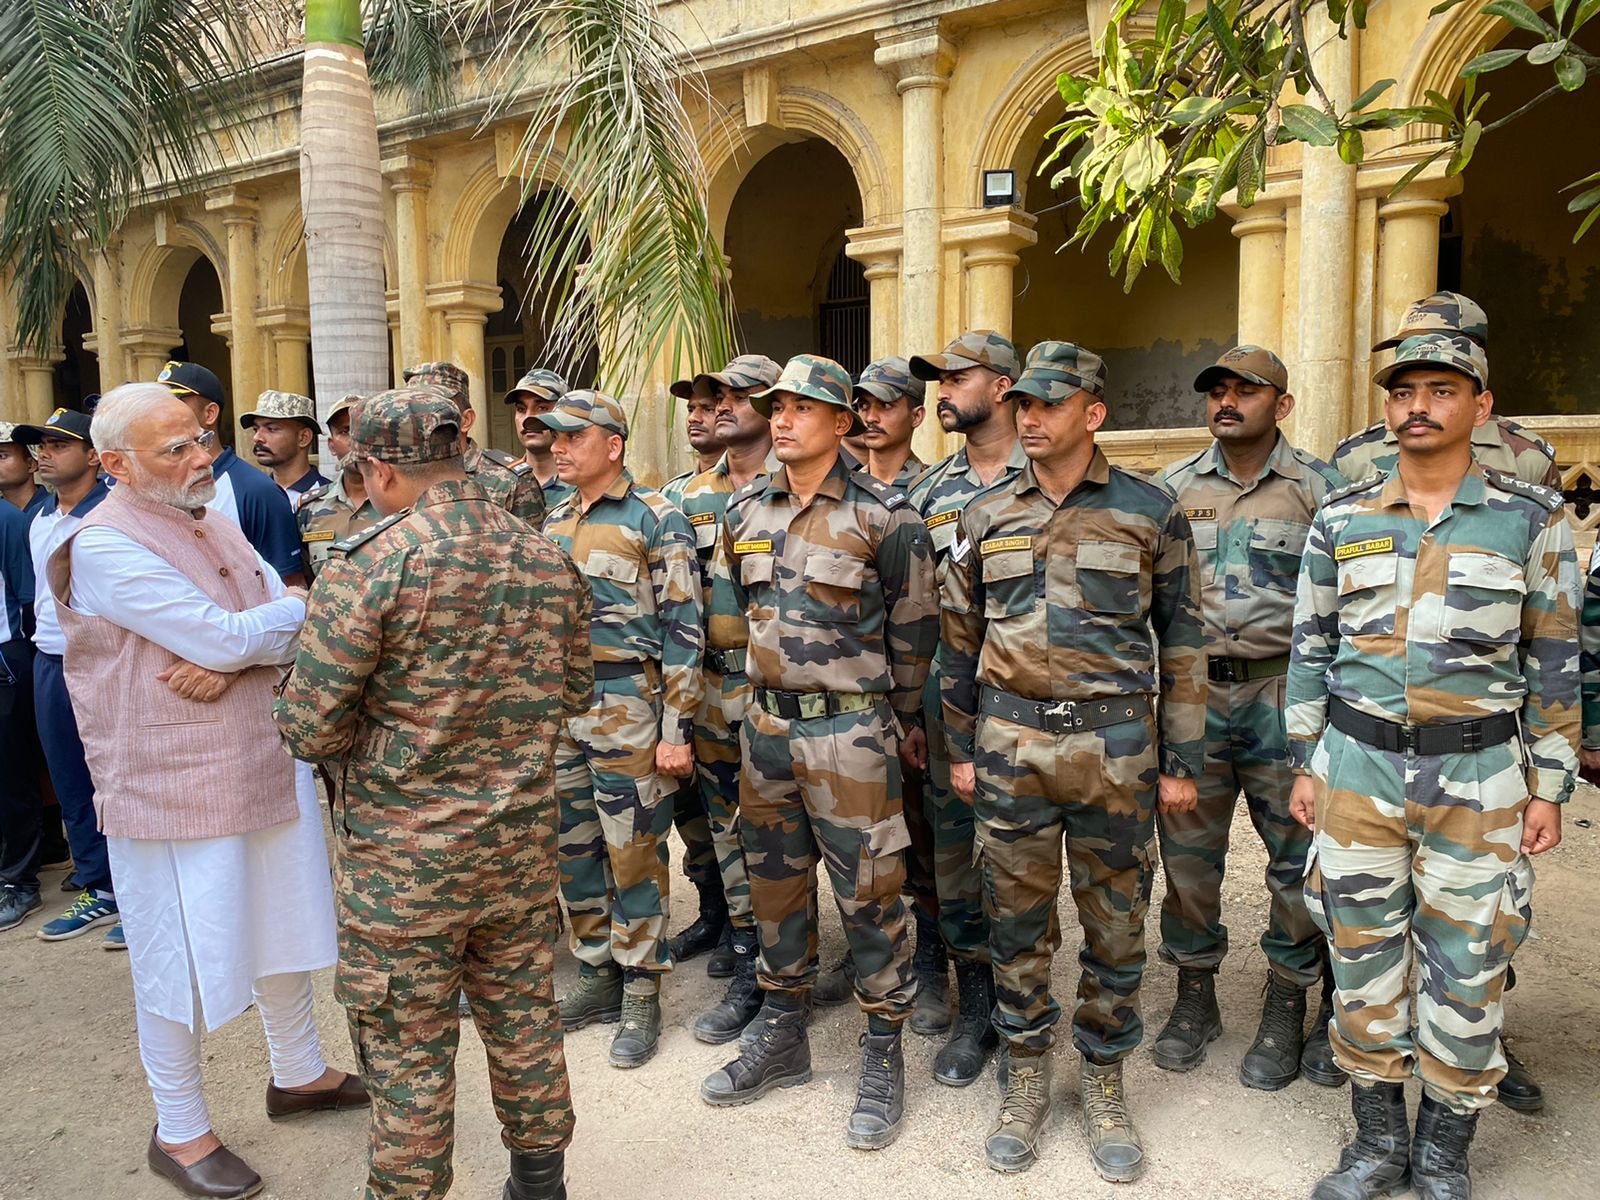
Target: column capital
x=1251 y=222
x=991 y=231
x=918 y=57
x=285 y=321
x=235 y=205
x=147 y=338
x=408 y=171
x=875 y=245
x=1407 y=205
x=464 y=300
x=28 y=358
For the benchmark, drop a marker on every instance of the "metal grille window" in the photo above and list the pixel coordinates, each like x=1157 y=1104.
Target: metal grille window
x=845 y=318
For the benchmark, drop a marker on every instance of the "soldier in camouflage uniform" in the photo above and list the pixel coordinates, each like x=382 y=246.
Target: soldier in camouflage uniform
x=1074 y=692
x=637 y=552
x=973 y=374
x=1249 y=498
x=1589 y=635
x=699 y=396
x=508 y=481
x=833 y=571
x=1433 y=714
x=445 y=644
x=890 y=404
x=331 y=512
x=535 y=393
x=1500 y=442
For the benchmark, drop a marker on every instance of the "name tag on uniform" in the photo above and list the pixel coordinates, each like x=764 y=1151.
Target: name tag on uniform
x=1200 y=514
x=702 y=518
x=1001 y=545
x=1360 y=549
x=760 y=546
x=317 y=535
x=943 y=518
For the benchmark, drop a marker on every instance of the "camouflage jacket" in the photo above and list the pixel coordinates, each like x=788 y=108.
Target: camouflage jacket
x=1249 y=537
x=944 y=489
x=704 y=501
x=1589 y=638
x=910 y=471
x=672 y=489
x=1499 y=443
x=444 y=646
x=555 y=492
x=1416 y=622
x=1097 y=597
x=508 y=481
x=839 y=592
x=637 y=551
x=326 y=516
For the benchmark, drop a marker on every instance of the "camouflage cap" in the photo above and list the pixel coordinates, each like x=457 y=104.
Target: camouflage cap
x=975 y=348
x=1255 y=364
x=888 y=379
x=1056 y=371
x=282 y=406
x=743 y=373
x=343 y=404
x=576 y=411
x=541 y=382
x=400 y=426
x=446 y=376
x=1438 y=350
x=815 y=378
x=6 y=431
x=1442 y=312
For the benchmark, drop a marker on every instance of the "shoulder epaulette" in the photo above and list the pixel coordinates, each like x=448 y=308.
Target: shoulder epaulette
x=754 y=488
x=1507 y=425
x=1350 y=489
x=1377 y=427
x=517 y=466
x=1181 y=464
x=892 y=495
x=362 y=536
x=314 y=493
x=1548 y=497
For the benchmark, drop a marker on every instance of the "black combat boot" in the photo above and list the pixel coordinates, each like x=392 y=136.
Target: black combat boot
x=1012 y=1145
x=598 y=997
x=706 y=930
x=738 y=1008
x=1378 y=1161
x=1439 y=1155
x=780 y=1056
x=639 y=1035
x=1316 y=1060
x=880 y=1092
x=758 y=1022
x=1273 y=1060
x=837 y=984
x=1194 y=1023
x=931 y=966
x=1114 y=1146
x=722 y=963
x=536 y=1177
x=1519 y=1090
x=961 y=1059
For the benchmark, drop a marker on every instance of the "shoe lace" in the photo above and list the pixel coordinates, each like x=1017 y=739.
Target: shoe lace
x=1451 y=1138
x=1372 y=1129
x=81 y=905
x=877 y=1073
x=636 y=1010
x=1024 y=1094
x=1190 y=1010
x=1280 y=1022
x=971 y=997
x=1104 y=1103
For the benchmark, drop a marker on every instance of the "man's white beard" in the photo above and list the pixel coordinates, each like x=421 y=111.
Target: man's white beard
x=195 y=495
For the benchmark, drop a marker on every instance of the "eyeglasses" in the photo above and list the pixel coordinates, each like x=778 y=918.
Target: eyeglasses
x=174 y=453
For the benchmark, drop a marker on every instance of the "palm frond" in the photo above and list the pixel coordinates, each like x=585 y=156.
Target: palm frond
x=609 y=119
x=407 y=48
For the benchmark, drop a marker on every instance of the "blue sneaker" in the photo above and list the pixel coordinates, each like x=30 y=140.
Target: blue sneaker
x=88 y=912
x=16 y=905
x=115 y=938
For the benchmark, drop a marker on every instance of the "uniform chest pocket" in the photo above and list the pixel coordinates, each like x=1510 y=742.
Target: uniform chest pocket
x=1368 y=593
x=1108 y=576
x=1205 y=535
x=1275 y=551
x=621 y=573
x=1009 y=587
x=755 y=573
x=1483 y=598
x=705 y=536
x=831 y=592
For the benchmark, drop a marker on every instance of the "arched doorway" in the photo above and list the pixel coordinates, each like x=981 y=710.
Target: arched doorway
x=199 y=305
x=795 y=291
x=516 y=338
x=78 y=374
x=1154 y=340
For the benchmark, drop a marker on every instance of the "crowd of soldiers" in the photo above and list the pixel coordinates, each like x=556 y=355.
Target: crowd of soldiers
x=957 y=688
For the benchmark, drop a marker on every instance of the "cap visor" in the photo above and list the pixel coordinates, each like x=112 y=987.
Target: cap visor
x=681 y=388
x=1387 y=344
x=1382 y=377
x=1027 y=387
x=1211 y=375
x=562 y=423
x=929 y=367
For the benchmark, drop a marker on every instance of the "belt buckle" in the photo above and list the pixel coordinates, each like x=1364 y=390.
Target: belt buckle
x=1064 y=709
x=1232 y=672
x=1471 y=736
x=1411 y=739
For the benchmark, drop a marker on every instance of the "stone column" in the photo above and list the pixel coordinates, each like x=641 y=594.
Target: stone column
x=244 y=341
x=466 y=307
x=288 y=330
x=38 y=381
x=1260 y=231
x=877 y=248
x=1322 y=371
x=1408 y=253
x=410 y=176
x=920 y=59
x=108 y=315
x=146 y=349
x=989 y=240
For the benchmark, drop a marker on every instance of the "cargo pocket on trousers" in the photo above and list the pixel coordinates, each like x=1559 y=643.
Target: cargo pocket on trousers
x=881 y=869
x=363 y=989
x=1513 y=916
x=1315 y=894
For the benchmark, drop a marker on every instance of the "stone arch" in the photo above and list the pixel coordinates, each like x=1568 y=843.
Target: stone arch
x=481 y=214
x=1017 y=121
x=1448 y=41
x=157 y=277
x=286 y=266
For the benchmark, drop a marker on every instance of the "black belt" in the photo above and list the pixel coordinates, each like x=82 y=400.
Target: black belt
x=1062 y=716
x=618 y=670
x=726 y=662
x=1449 y=737
x=1239 y=670
x=807 y=706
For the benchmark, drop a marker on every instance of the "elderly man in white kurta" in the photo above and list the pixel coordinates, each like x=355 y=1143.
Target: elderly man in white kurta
x=176 y=633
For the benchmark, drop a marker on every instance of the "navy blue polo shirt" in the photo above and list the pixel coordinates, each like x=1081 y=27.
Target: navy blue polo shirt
x=262 y=510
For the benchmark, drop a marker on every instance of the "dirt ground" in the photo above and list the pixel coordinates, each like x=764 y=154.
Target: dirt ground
x=76 y=1115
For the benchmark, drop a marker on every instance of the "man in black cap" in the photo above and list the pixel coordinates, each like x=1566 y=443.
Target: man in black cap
x=247 y=496
x=17 y=482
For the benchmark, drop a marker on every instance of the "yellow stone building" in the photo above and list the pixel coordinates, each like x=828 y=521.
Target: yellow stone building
x=845 y=147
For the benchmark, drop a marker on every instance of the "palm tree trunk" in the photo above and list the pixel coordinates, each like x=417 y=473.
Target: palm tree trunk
x=341 y=196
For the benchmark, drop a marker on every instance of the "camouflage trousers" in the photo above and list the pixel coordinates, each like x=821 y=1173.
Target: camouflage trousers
x=1095 y=793
x=1246 y=750
x=615 y=818
x=716 y=764
x=827 y=788
x=694 y=827
x=400 y=995
x=957 y=873
x=1418 y=858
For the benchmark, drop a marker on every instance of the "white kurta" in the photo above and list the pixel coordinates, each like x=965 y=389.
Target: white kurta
x=210 y=915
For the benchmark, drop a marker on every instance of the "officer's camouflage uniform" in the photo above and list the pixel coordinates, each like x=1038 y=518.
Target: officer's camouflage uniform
x=443 y=648
x=1249 y=535
x=1500 y=443
x=940 y=495
x=843 y=618
x=1092 y=605
x=1418 y=623
x=326 y=516
x=556 y=492
x=636 y=550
